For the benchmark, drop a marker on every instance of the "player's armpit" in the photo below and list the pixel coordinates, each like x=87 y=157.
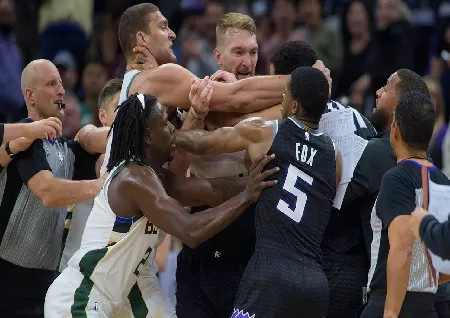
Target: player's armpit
x=226 y=139
x=199 y=191
x=401 y=242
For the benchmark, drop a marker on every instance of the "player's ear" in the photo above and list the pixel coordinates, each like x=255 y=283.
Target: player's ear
x=218 y=57
x=141 y=39
x=102 y=116
x=148 y=137
x=294 y=108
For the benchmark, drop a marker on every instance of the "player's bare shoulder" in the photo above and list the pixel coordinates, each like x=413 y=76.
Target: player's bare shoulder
x=255 y=128
x=137 y=178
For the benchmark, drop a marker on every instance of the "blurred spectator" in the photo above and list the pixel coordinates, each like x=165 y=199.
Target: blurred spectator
x=94 y=78
x=72 y=115
x=65 y=24
x=440 y=127
x=67 y=67
x=357 y=35
x=284 y=19
x=393 y=50
x=197 y=47
x=108 y=48
x=322 y=37
x=11 y=64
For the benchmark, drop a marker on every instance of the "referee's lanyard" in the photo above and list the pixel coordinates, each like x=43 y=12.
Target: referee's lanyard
x=28 y=119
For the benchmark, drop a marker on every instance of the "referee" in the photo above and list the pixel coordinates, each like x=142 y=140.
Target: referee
x=35 y=195
x=347 y=247
x=401 y=281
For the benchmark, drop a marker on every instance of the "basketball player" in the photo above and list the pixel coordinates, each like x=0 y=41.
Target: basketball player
x=268 y=288
x=208 y=276
x=134 y=211
x=77 y=215
x=143 y=25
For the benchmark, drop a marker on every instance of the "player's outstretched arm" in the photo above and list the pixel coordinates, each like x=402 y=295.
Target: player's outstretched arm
x=171 y=84
x=226 y=139
x=148 y=194
x=93 y=139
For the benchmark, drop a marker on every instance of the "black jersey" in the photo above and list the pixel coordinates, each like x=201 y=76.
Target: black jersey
x=295 y=212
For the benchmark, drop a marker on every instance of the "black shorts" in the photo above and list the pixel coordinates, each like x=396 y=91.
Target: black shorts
x=207 y=286
x=415 y=305
x=283 y=285
x=347 y=276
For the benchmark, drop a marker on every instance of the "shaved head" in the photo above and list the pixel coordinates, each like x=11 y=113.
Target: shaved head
x=42 y=90
x=30 y=72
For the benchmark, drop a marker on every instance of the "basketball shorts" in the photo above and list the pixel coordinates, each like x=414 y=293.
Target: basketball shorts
x=207 y=285
x=71 y=295
x=281 y=284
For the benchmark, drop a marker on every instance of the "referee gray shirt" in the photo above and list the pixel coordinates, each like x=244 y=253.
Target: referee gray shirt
x=31 y=234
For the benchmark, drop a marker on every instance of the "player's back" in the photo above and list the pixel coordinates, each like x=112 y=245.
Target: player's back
x=113 y=248
x=294 y=213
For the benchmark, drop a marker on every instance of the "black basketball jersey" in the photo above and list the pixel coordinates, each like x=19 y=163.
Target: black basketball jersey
x=295 y=212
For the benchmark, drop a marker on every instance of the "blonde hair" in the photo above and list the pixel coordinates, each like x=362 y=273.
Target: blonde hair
x=233 y=20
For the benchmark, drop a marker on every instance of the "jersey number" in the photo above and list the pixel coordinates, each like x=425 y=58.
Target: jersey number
x=289 y=186
x=150 y=228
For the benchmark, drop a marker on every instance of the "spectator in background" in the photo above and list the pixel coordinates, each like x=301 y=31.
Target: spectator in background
x=94 y=78
x=65 y=25
x=284 y=20
x=357 y=31
x=11 y=64
x=322 y=37
x=68 y=69
x=72 y=116
x=440 y=126
x=109 y=48
x=197 y=48
x=393 y=50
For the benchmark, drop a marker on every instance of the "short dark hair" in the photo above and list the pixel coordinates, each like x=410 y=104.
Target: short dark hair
x=291 y=55
x=415 y=117
x=410 y=82
x=111 y=88
x=130 y=130
x=133 y=20
x=309 y=87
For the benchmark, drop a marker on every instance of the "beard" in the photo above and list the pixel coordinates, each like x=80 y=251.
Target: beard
x=379 y=119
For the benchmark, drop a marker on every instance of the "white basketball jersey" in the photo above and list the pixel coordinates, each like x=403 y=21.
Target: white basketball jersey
x=127 y=80
x=114 y=249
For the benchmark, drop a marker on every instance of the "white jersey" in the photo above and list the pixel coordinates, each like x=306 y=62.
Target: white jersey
x=127 y=80
x=114 y=249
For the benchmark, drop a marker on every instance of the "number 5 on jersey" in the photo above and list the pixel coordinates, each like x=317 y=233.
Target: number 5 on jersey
x=301 y=198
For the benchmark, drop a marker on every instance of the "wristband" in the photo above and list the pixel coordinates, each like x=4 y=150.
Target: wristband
x=8 y=150
x=196 y=115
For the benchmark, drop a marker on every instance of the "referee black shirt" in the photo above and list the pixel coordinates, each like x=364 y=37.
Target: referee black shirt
x=30 y=234
x=398 y=191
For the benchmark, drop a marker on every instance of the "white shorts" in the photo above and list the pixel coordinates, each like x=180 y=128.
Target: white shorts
x=67 y=297
x=72 y=296
x=147 y=298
